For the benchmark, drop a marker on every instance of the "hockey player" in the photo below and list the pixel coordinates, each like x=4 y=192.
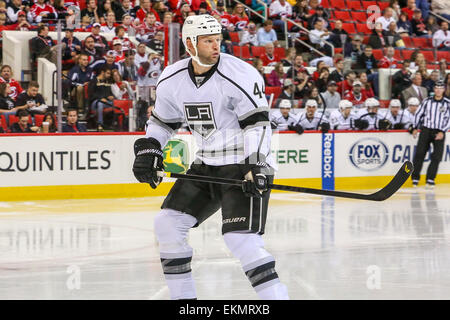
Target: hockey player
x=311 y=119
x=222 y=100
x=393 y=117
x=410 y=113
x=343 y=118
x=367 y=118
x=282 y=118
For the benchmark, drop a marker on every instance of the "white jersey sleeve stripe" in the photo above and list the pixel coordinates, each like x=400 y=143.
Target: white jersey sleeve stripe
x=168 y=77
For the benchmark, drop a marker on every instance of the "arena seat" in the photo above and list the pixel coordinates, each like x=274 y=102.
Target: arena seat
x=383 y=5
x=276 y=92
x=125 y=105
x=407 y=54
x=378 y=53
x=363 y=28
x=408 y=42
x=367 y=4
x=3 y=123
x=242 y=52
x=428 y=54
x=359 y=16
x=258 y=51
x=349 y=27
x=234 y=36
x=354 y=5
x=338 y=4
x=325 y=4
x=423 y=43
x=398 y=54
x=280 y=52
x=342 y=15
x=38 y=119
x=443 y=55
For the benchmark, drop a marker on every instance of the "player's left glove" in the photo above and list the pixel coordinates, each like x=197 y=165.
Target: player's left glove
x=256 y=181
x=325 y=127
x=148 y=162
x=399 y=126
x=384 y=124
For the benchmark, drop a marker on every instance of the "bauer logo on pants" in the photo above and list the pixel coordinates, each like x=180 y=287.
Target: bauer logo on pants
x=200 y=118
x=369 y=154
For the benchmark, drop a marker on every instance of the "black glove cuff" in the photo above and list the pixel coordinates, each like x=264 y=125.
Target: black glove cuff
x=147 y=145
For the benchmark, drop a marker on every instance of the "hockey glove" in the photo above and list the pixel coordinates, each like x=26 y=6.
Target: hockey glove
x=399 y=126
x=411 y=129
x=256 y=181
x=273 y=125
x=361 y=124
x=384 y=124
x=324 y=127
x=297 y=128
x=148 y=161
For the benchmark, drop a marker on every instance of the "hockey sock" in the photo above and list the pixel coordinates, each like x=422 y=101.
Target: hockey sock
x=178 y=274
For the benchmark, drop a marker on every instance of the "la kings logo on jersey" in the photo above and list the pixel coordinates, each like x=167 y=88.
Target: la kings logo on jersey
x=200 y=118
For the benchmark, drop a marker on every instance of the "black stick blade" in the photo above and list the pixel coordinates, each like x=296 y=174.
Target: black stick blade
x=399 y=179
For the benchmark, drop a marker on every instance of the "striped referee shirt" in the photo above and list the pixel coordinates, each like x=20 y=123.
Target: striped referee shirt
x=433 y=114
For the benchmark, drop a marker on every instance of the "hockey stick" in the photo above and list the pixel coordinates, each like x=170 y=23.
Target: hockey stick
x=381 y=195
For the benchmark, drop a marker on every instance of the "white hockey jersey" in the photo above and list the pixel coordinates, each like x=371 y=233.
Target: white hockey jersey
x=408 y=118
x=372 y=118
x=338 y=122
x=311 y=124
x=281 y=122
x=227 y=112
x=152 y=74
x=386 y=114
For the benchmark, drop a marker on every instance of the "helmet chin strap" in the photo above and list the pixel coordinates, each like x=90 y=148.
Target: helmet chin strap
x=197 y=59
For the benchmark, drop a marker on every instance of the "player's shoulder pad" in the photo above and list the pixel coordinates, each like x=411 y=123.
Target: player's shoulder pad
x=173 y=69
x=238 y=70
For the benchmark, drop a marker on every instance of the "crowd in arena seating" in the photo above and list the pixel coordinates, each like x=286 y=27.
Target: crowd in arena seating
x=312 y=54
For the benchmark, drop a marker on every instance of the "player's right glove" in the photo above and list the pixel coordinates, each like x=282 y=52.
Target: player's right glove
x=411 y=129
x=148 y=161
x=399 y=126
x=361 y=124
x=297 y=128
x=384 y=124
x=256 y=181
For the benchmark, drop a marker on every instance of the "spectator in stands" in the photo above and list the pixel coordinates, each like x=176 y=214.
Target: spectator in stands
x=91 y=12
x=366 y=85
x=386 y=18
x=72 y=124
x=269 y=58
x=148 y=29
x=320 y=14
x=322 y=81
x=299 y=66
x=259 y=7
x=90 y=49
x=279 y=10
x=300 y=11
x=183 y=13
x=417 y=59
x=102 y=11
x=415 y=89
x=146 y=7
x=168 y=17
x=249 y=36
x=128 y=69
x=157 y=43
x=48 y=124
x=288 y=61
x=356 y=96
x=160 y=8
x=346 y=86
x=409 y=9
x=404 y=25
x=141 y=55
x=441 y=39
x=124 y=7
x=101 y=43
x=318 y=36
x=118 y=52
x=13 y=9
x=443 y=70
x=73 y=45
x=366 y=61
x=127 y=44
x=109 y=61
x=338 y=35
x=258 y=65
x=42 y=12
x=303 y=85
x=79 y=77
x=338 y=74
x=22 y=23
x=61 y=11
x=6 y=76
x=431 y=81
x=331 y=97
x=32 y=98
x=7 y=105
x=23 y=126
x=423 y=71
x=239 y=18
x=287 y=93
x=388 y=61
x=100 y=94
x=396 y=10
x=85 y=25
x=277 y=76
x=110 y=23
x=424 y=6
x=441 y=7
x=392 y=36
x=401 y=80
x=353 y=49
x=431 y=24
x=127 y=23
x=314 y=94
x=121 y=89
x=418 y=25
x=377 y=39
x=42 y=45
x=266 y=34
x=148 y=75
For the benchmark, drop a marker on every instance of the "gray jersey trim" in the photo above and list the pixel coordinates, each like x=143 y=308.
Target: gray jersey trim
x=239 y=87
x=258 y=124
x=248 y=114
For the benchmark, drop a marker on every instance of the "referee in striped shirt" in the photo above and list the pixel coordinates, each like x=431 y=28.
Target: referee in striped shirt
x=433 y=118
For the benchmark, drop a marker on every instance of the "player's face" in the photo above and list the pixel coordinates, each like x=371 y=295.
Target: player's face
x=208 y=48
x=412 y=108
x=310 y=111
x=395 y=111
x=284 y=111
x=346 y=112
